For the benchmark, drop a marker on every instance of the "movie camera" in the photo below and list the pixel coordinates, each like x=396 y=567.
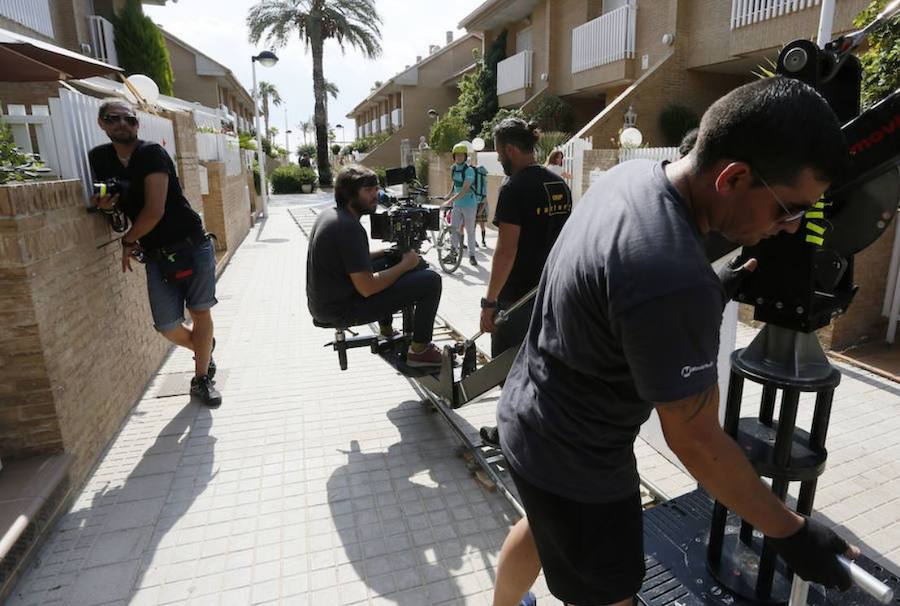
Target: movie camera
x=408 y=218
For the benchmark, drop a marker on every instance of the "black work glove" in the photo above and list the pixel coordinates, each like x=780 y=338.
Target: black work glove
x=812 y=552
x=732 y=274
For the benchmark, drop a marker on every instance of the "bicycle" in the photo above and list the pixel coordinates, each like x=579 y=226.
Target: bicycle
x=449 y=257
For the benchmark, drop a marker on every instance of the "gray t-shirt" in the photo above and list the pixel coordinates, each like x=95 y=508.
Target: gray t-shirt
x=627 y=313
x=338 y=247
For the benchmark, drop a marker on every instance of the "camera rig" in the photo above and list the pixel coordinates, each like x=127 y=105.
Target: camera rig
x=408 y=218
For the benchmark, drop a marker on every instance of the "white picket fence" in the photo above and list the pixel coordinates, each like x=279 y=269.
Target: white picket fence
x=648 y=153
x=573 y=163
x=746 y=12
x=63 y=133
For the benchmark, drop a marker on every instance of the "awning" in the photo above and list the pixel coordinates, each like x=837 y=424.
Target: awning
x=24 y=59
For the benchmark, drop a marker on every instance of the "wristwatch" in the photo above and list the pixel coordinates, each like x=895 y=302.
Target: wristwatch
x=485 y=304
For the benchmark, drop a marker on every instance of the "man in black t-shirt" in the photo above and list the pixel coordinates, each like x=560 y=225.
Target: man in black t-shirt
x=348 y=285
x=626 y=321
x=532 y=208
x=166 y=232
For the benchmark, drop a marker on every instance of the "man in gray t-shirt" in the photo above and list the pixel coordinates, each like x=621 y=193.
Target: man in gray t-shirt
x=626 y=320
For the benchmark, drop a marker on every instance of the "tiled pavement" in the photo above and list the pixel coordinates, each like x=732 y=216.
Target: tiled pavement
x=313 y=486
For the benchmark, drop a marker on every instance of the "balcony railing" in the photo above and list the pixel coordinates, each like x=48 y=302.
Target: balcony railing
x=397 y=118
x=385 y=121
x=747 y=12
x=103 y=40
x=33 y=14
x=605 y=39
x=514 y=73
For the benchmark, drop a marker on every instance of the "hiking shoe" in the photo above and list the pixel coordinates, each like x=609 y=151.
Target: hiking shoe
x=203 y=389
x=430 y=356
x=472 y=261
x=490 y=436
x=529 y=599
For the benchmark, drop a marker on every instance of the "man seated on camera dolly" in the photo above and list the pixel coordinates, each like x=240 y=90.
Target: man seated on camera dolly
x=138 y=178
x=347 y=285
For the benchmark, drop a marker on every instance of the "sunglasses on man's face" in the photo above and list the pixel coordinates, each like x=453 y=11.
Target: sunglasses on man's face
x=113 y=118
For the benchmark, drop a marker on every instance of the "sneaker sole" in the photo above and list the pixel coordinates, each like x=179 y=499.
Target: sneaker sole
x=414 y=364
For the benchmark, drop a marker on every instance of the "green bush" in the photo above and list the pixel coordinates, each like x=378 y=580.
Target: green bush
x=256 y=177
x=553 y=114
x=12 y=160
x=366 y=144
x=675 y=121
x=289 y=179
x=307 y=148
x=487 y=128
x=246 y=141
x=548 y=142
x=335 y=149
x=422 y=164
x=382 y=177
x=447 y=131
x=881 y=60
x=141 y=47
x=346 y=150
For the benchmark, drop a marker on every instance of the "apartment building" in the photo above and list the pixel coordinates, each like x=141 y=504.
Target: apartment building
x=199 y=78
x=400 y=105
x=604 y=56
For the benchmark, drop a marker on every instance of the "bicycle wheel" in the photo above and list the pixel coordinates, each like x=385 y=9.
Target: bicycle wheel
x=448 y=258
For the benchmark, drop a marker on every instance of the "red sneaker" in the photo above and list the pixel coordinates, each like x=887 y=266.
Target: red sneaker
x=430 y=356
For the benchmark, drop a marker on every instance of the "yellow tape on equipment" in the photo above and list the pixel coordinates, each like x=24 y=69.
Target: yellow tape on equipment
x=815 y=239
x=815 y=228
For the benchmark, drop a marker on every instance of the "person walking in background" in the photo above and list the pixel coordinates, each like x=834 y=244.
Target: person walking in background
x=554 y=164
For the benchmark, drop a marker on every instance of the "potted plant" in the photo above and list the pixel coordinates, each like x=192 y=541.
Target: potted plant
x=307 y=178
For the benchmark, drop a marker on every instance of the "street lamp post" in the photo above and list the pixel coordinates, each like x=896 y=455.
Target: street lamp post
x=266 y=59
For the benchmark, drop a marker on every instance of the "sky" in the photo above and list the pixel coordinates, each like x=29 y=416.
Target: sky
x=218 y=29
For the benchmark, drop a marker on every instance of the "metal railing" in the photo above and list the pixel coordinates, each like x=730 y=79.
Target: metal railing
x=103 y=40
x=397 y=118
x=385 y=121
x=648 y=153
x=747 y=12
x=33 y=14
x=605 y=39
x=514 y=73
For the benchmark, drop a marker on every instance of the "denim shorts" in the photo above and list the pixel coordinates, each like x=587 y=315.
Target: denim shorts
x=197 y=293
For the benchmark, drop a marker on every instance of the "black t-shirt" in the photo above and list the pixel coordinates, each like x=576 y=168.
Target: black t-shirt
x=338 y=247
x=179 y=220
x=627 y=315
x=539 y=202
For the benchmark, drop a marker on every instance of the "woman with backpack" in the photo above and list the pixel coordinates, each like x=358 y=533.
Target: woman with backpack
x=462 y=198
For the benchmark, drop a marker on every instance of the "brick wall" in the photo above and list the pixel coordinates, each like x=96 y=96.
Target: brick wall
x=186 y=158
x=76 y=337
x=863 y=320
x=226 y=209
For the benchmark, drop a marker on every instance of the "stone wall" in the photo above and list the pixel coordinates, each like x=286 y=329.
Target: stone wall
x=226 y=209
x=77 y=345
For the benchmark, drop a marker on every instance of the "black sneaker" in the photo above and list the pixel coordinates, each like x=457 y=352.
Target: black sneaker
x=203 y=389
x=211 y=369
x=490 y=436
x=472 y=261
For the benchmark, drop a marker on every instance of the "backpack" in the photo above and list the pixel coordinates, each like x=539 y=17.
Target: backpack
x=479 y=185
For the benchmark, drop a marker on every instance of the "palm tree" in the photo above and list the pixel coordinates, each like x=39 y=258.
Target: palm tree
x=266 y=91
x=348 y=22
x=332 y=89
x=304 y=126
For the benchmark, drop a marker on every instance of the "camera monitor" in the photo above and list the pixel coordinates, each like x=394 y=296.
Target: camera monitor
x=399 y=176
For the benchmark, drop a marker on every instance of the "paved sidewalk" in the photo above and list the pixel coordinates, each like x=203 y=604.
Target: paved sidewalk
x=316 y=486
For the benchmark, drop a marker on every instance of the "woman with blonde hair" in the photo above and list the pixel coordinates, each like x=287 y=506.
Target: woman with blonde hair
x=554 y=164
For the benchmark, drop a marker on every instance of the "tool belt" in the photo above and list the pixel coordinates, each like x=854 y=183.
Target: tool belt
x=176 y=260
